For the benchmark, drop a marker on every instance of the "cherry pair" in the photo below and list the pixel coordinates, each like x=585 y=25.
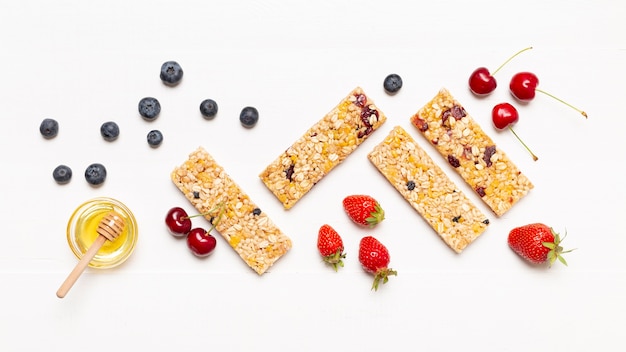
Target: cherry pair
x=200 y=242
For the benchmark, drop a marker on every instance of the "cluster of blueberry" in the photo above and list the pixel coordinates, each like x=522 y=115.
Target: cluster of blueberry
x=149 y=109
x=96 y=173
x=171 y=75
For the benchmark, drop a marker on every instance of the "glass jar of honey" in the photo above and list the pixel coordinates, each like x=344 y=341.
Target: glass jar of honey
x=82 y=226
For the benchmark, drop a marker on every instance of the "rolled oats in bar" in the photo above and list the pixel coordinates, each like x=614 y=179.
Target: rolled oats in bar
x=471 y=152
x=322 y=147
x=241 y=223
x=428 y=190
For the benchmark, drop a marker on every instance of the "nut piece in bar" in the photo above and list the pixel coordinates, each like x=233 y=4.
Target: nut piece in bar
x=248 y=230
x=445 y=123
x=428 y=190
x=322 y=147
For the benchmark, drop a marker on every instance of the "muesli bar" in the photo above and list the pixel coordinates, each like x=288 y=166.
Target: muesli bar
x=428 y=190
x=322 y=147
x=248 y=230
x=471 y=152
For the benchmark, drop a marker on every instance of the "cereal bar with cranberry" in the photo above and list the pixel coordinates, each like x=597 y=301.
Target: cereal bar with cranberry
x=428 y=190
x=322 y=147
x=248 y=230
x=471 y=152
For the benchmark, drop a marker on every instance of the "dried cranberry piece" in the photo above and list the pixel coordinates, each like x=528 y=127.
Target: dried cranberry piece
x=365 y=132
x=489 y=152
x=480 y=190
x=366 y=113
x=458 y=112
x=420 y=123
x=361 y=99
x=374 y=111
x=289 y=172
x=453 y=161
x=444 y=118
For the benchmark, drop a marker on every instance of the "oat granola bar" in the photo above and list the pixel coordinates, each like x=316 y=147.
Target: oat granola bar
x=428 y=190
x=471 y=152
x=243 y=225
x=322 y=147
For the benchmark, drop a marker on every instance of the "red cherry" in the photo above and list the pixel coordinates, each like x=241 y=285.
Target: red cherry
x=481 y=82
x=178 y=222
x=200 y=242
x=504 y=115
x=524 y=85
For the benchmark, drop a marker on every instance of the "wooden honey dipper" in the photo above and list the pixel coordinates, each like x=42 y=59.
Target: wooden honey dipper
x=109 y=228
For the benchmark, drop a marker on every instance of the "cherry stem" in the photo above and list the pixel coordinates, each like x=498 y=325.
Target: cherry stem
x=511 y=58
x=219 y=217
x=564 y=102
x=535 y=158
x=218 y=206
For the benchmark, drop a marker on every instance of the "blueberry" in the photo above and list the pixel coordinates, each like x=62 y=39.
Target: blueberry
x=208 y=108
x=62 y=174
x=392 y=83
x=149 y=108
x=49 y=128
x=109 y=131
x=95 y=174
x=249 y=116
x=171 y=73
x=155 y=138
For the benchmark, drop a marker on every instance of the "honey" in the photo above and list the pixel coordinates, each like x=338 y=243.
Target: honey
x=81 y=232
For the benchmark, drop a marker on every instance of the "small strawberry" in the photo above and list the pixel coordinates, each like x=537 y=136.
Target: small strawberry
x=374 y=257
x=363 y=210
x=537 y=243
x=330 y=246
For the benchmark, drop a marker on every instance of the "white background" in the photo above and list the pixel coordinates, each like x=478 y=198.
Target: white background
x=84 y=63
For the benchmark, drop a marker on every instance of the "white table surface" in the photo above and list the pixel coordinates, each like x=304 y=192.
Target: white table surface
x=83 y=63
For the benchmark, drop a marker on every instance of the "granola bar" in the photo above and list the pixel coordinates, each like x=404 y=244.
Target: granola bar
x=471 y=152
x=322 y=147
x=248 y=230
x=428 y=190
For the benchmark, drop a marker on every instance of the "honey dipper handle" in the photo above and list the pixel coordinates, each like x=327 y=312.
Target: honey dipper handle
x=81 y=266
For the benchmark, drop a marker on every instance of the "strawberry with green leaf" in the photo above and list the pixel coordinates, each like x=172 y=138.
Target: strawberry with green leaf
x=374 y=257
x=330 y=246
x=364 y=210
x=537 y=243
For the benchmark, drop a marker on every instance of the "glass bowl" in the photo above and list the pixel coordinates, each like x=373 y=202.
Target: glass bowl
x=81 y=232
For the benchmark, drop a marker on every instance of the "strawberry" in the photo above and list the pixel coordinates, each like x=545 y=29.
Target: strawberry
x=374 y=257
x=330 y=246
x=537 y=243
x=363 y=210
